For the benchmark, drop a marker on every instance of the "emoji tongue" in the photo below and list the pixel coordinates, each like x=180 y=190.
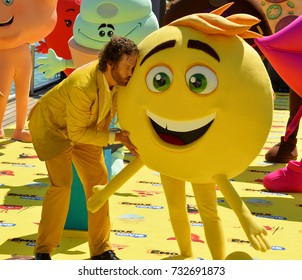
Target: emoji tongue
x=172 y=139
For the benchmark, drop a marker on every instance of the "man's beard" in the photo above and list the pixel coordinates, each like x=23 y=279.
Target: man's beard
x=118 y=78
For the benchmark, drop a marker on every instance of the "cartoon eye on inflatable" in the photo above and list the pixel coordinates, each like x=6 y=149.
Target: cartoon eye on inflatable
x=201 y=80
x=7 y=2
x=110 y=33
x=68 y=22
x=102 y=33
x=159 y=79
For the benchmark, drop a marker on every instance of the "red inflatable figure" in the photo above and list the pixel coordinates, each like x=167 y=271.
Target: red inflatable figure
x=67 y=10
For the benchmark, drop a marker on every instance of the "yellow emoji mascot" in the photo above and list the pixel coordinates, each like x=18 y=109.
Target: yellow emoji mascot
x=199 y=110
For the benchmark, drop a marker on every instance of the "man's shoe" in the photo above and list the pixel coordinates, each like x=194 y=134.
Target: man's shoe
x=286 y=179
x=42 y=256
x=108 y=255
x=283 y=152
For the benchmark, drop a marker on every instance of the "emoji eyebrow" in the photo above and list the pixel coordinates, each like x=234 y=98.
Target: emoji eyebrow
x=194 y=44
x=160 y=47
x=110 y=26
x=106 y=25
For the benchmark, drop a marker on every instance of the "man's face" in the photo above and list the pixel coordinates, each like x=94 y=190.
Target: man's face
x=123 y=70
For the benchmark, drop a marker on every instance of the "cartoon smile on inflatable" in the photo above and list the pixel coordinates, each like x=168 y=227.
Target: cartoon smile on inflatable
x=180 y=132
x=7 y=23
x=10 y=21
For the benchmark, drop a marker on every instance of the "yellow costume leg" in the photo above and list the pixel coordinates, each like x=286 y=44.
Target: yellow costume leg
x=206 y=199
x=91 y=168
x=55 y=204
x=254 y=232
x=176 y=199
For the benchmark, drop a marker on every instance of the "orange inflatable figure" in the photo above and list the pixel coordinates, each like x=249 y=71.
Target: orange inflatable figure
x=21 y=23
x=67 y=11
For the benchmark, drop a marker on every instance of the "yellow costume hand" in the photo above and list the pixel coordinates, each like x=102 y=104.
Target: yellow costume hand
x=255 y=233
x=97 y=200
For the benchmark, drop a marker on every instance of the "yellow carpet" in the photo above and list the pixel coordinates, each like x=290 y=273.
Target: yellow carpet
x=140 y=223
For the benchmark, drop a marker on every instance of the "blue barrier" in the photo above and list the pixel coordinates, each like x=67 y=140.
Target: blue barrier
x=77 y=214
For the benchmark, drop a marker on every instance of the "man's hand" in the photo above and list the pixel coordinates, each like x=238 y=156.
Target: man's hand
x=123 y=137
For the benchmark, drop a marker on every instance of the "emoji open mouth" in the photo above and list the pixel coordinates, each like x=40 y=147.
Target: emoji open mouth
x=180 y=132
x=9 y=22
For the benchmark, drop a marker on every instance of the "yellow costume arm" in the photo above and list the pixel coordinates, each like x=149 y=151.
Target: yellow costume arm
x=102 y=193
x=254 y=232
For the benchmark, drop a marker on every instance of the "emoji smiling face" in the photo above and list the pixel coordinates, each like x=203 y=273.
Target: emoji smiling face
x=25 y=21
x=99 y=20
x=197 y=105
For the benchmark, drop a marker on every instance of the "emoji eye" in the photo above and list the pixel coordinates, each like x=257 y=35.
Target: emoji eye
x=159 y=79
x=201 y=80
x=68 y=22
x=8 y=2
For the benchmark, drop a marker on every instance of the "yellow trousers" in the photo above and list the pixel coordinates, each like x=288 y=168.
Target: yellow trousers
x=89 y=163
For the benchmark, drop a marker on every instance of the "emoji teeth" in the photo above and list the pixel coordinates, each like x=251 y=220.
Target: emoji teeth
x=181 y=126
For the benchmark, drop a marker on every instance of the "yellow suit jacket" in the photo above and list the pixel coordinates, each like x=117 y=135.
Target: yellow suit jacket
x=77 y=110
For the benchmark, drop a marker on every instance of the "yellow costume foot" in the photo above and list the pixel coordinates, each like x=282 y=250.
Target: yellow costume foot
x=21 y=135
x=238 y=255
x=179 y=257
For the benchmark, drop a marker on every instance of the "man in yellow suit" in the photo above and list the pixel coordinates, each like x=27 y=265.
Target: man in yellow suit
x=70 y=125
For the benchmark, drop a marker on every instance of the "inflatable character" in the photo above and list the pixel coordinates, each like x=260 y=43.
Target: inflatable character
x=96 y=23
x=21 y=23
x=280 y=13
x=200 y=117
x=284 y=51
x=180 y=8
x=57 y=40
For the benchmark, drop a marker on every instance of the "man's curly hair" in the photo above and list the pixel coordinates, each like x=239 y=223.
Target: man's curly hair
x=114 y=50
